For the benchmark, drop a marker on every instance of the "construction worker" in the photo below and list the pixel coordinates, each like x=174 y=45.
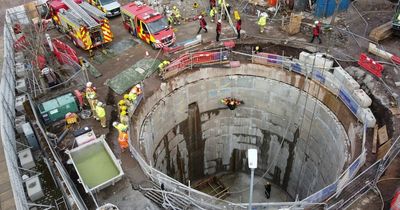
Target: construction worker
x=128 y=103
x=91 y=97
x=268 y=190
x=227 y=11
x=238 y=27
x=257 y=49
x=262 y=21
x=123 y=140
x=212 y=3
x=231 y=103
x=120 y=104
x=203 y=24
x=123 y=117
x=316 y=31
x=171 y=19
x=120 y=127
x=123 y=109
x=101 y=114
x=213 y=11
x=122 y=135
x=236 y=14
x=162 y=65
x=218 y=29
x=137 y=89
x=177 y=15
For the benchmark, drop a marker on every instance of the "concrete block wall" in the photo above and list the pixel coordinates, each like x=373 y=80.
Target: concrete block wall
x=269 y=106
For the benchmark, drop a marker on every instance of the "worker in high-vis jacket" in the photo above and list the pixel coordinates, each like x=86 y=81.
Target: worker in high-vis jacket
x=213 y=11
x=101 y=114
x=123 y=117
x=262 y=21
x=177 y=15
x=120 y=126
x=128 y=102
x=91 y=97
x=122 y=135
x=163 y=65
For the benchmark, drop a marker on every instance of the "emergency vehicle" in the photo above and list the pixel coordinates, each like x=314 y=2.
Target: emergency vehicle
x=86 y=26
x=147 y=24
x=109 y=7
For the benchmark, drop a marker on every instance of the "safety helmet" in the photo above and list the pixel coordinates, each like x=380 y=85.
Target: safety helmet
x=99 y=103
x=138 y=86
x=121 y=102
x=219 y=21
x=316 y=22
x=123 y=108
x=115 y=123
x=123 y=113
x=200 y=17
x=174 y=7
x=89 y=84
x=257 y=47
x=126 y=96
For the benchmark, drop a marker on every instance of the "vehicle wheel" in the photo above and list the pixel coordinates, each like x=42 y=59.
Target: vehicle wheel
x=131 y=32
x=153 y=45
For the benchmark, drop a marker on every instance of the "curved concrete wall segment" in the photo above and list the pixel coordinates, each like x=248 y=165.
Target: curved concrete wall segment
x=305 y=138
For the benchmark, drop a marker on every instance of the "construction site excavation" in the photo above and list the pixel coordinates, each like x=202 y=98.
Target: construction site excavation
x=209 y=105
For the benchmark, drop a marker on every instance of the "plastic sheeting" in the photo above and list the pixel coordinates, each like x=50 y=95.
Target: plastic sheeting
x=133 y=75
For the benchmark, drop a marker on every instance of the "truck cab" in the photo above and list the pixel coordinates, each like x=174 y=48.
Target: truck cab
x=147 y=24
x=110 y=7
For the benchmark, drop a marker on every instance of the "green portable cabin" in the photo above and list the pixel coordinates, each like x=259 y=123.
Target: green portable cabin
x=56 y=108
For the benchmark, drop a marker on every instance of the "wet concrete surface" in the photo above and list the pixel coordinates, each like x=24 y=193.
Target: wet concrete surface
x=239 y=183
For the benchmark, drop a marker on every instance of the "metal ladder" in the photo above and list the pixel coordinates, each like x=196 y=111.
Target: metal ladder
x=92 y=11
x=81 y=13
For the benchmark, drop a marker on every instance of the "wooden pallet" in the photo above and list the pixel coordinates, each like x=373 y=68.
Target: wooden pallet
x=381 y=32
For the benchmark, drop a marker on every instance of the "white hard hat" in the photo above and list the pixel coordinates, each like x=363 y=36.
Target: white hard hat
x=316 y=22
x=219 y=20
x=89 y=84
x=115 y=123
x=99 y=103
x=174 y=7
x=200 y=17
x=138 y=85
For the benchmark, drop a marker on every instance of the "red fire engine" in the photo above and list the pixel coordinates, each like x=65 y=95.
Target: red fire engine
x=147 y=24
x=86 y=25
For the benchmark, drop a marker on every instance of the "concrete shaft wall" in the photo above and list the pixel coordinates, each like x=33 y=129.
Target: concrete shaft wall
x=261 y=122
x=190 y=134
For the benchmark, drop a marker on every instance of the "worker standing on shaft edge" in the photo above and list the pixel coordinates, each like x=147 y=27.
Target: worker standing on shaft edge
x=262 y=21
x=101 y=114
x=218 y=29
x=122 y=135
x=203 y=24
x=91 y=97
x=238 y=27
x=316 y=31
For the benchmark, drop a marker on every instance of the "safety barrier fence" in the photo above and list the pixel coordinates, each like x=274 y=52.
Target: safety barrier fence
x=7 y=120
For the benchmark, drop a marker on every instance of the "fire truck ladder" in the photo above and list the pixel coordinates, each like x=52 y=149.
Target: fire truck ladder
x=81 y=13
x=93 y=11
